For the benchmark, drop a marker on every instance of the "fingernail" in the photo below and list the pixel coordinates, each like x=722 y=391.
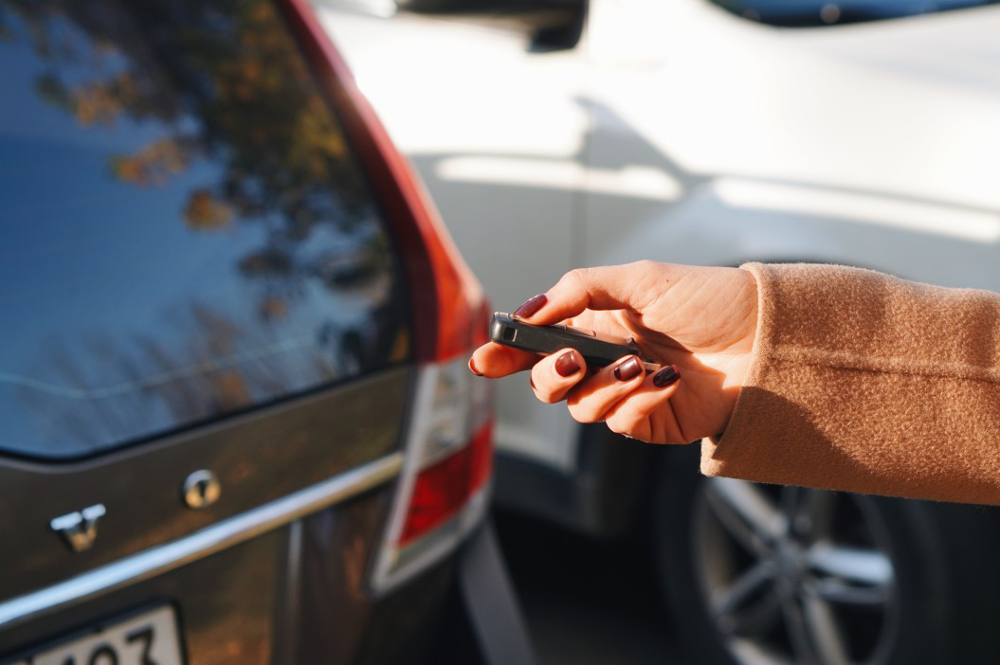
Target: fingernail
x=628 y=370
x=566 y=364
x=667 y=376
x=473 y=368
x=533 y=304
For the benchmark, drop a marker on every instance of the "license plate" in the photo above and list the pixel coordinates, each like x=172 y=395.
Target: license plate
x=149 y=638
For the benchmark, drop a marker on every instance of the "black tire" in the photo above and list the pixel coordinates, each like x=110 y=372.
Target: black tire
x=941 y=603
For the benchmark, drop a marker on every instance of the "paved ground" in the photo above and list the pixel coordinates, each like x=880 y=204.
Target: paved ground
x=587 y=602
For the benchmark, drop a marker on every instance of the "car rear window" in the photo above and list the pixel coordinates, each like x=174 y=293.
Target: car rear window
x=185 y=231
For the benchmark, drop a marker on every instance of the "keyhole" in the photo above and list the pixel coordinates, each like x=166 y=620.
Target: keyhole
x=201 y=489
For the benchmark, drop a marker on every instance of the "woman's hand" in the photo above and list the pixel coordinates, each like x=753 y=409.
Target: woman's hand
x=699 y=323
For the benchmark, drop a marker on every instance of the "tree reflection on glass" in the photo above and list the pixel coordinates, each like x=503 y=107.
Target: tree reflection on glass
x=213 y=98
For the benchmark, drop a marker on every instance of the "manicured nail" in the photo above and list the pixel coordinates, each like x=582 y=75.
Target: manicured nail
x=628 y=370
x=567 y=364
x=473 y=368
x=533 y=304
x=667 y=376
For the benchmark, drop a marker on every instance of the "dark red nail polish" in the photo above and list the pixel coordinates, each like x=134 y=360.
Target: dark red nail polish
x=473 y=368
x=567 y=364
x=667 y=376
x=628 y=370
x=533 y=304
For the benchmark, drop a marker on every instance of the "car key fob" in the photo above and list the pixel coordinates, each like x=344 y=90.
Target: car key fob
x=597 y=350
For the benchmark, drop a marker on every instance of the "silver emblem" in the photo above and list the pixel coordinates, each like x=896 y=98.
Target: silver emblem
x=80 y=528
x=201 y=489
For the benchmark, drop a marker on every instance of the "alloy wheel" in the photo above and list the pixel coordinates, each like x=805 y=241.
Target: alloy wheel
x=795 y=575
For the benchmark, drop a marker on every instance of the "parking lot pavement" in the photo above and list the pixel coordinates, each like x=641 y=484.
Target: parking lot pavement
x=586 y=601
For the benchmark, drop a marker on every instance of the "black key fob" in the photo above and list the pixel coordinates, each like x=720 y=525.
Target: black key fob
x=597 y=350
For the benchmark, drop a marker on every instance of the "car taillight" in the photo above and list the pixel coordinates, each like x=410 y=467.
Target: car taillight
x=444 y=484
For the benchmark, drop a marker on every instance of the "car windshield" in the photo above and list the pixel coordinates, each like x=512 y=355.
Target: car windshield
x=827 y=12
x=184 y=230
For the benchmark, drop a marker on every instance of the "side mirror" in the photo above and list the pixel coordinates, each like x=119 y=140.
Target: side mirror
x=552 y=24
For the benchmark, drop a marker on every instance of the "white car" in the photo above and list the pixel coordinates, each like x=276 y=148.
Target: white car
x=680 y=131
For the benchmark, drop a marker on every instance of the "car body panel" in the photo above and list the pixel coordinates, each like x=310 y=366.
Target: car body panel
x=294 y=594
x=873 y=166
x=257 y=458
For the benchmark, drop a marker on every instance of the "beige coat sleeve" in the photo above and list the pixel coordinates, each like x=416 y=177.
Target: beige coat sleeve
x=868 y=383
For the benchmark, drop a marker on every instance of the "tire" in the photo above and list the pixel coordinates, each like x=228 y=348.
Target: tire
x=808 y=576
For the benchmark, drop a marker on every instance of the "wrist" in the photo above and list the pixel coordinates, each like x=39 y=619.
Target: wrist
x=747 y=297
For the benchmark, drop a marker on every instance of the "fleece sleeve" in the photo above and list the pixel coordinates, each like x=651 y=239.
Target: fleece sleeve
x=867 y=383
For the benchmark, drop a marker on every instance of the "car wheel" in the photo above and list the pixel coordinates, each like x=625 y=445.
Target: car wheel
x=765 y=575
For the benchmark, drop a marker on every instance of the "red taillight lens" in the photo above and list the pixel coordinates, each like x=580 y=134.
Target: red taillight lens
x=443 y=489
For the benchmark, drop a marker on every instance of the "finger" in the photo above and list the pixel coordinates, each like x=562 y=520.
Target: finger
x=553 y=376
x=494 y=360
x=590 y=401
x=607 y=287
x=646 y=413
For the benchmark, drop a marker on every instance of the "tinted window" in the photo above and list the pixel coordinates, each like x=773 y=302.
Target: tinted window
x=184 y=232
x=828 y=12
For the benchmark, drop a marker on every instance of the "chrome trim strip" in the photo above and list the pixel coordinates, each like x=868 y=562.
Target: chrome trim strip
x=225 y=534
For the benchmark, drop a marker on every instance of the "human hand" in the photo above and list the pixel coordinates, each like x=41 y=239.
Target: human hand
x=698 y=322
